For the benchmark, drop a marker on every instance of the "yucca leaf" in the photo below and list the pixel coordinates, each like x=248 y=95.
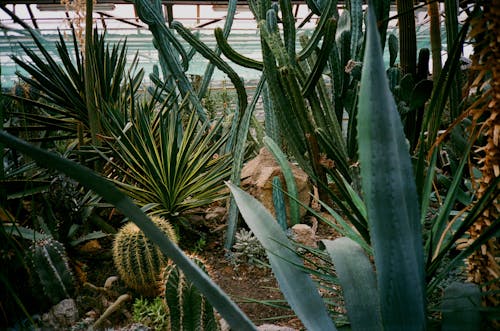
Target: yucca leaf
x=358 y=281
x=390 y=195
x=296 y=285
x=227 y=308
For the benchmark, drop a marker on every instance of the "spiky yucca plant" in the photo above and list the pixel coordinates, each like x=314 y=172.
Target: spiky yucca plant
x=483 y=265
x=138 y=260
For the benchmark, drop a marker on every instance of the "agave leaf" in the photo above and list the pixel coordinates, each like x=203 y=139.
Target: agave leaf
x=221 y=302
x=358 y=281
x=390 y=194
x=25 y=233
x=460 y=307
x=296 y=285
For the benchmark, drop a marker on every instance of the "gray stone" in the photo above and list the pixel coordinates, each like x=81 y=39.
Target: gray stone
x=61 y=316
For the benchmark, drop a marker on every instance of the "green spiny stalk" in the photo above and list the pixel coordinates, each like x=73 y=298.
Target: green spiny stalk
x=407 y=36
x=356 y=12
x=288 y=28
x=327 y=13
x=51 y=269
x=207 y=76
x=289 y=179
x=216 y=60
x=188 y=308
x=279 y=203
x=323 y=57
x=169 y=47
x=234 y=56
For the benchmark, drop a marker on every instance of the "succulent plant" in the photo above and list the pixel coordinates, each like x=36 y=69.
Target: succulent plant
x=188 y=309
x=248 y=249
x=51 y=270
x=138 y=260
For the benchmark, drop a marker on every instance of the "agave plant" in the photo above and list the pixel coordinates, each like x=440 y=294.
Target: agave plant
x=393 y=297
x=166 y=163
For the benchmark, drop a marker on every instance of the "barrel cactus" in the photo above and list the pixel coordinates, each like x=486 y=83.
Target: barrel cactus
x=51 y=270
x=188 y=309
x=138 y=260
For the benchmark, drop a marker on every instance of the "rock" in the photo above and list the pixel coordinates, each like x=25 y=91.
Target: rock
x=61 y=316
x=257 y=179
x=214 y=214
x=272 y=327
x=304 y=234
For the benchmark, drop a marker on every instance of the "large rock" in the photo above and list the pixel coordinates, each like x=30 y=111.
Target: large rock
x=61 y=316
x=257 y=179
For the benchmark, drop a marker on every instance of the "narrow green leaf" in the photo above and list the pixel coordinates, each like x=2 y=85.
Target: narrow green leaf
x=296 y=285
x=390 y=194
x=358 y=281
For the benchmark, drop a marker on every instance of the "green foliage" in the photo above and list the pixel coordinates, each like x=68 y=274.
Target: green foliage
x=173 y=57
x=279 y=203
x=51 y=271
x=151 y=313
x=248 y=249
x=289 y=179
x=386 y=170
x=298 y=99
x=138 y=260
x=394 y=297
x=61 y=85
x=165 y=163
x=188 y=309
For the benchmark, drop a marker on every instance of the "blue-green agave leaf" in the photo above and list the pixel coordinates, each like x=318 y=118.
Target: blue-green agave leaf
x=390 y=194
x=358 y=281
x=296 y=285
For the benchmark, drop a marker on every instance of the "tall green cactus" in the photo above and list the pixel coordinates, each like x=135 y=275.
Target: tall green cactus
x=279 y=203
x=188 y=309
x=51 y=270
x=137 y=260
x=169 y=49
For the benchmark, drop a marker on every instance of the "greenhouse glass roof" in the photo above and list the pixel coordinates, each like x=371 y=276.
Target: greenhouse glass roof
x=119 y=20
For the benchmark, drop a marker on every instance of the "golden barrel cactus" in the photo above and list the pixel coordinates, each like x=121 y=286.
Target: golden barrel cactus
x=138 y=260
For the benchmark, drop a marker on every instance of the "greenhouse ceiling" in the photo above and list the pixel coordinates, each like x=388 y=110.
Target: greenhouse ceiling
x=119 y=20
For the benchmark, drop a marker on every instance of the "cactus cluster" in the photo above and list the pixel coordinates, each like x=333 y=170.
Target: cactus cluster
x=188 y=309
x=138 y=260
x=51 y=270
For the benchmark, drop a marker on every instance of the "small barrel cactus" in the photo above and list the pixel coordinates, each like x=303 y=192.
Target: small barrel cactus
x=188 y=309
x=138 y=260
x=51 y=270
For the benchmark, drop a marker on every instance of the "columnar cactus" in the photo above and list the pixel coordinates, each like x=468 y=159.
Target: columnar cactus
x=138 y=260
x=188 y=309
x=51 y=269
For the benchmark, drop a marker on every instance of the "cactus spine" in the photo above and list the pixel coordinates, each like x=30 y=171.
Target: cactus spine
x=138 y=260
x=51 y=269
x=188 y=309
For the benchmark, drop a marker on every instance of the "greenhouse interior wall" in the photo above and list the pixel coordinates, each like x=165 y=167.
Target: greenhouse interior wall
x=119 y=22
